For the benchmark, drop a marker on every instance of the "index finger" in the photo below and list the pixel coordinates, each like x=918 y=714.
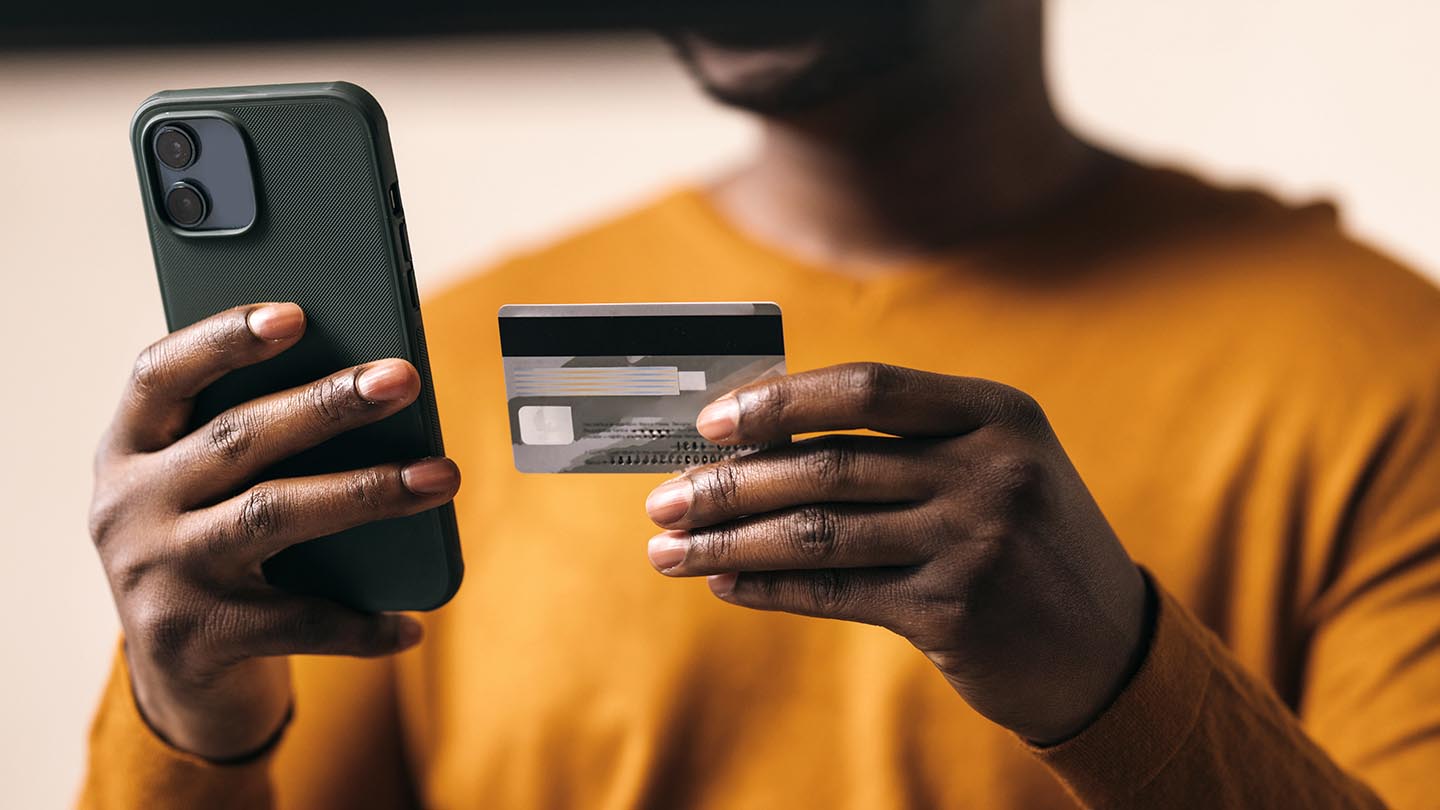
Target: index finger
x=874 y=396
x=160 y=393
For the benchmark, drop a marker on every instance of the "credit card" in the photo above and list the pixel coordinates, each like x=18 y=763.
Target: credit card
x=615 y=388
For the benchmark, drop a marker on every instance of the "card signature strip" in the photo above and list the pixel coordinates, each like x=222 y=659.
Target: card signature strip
x=633 y=381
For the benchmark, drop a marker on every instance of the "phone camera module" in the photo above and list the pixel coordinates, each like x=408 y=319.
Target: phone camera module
x=175 y=147
x=185 y=203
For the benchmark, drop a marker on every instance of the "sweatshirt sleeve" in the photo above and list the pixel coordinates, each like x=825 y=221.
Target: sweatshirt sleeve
x=342 y=749
x=1194 y=728
x=130 y=766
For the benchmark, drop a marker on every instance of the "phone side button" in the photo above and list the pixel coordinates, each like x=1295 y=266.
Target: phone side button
x=414 y=288
x=405 y=241
x=395 y=207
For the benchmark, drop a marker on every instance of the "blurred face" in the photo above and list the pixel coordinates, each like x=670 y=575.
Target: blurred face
x=777 y=67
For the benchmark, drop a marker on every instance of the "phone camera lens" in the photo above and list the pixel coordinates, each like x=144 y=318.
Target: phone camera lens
x=174 y=147
x=185 y=204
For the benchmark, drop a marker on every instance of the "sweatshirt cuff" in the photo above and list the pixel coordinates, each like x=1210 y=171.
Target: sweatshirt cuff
x=132 y=766
x=1131 y=743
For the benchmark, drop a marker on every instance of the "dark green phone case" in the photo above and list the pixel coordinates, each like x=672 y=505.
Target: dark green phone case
x=326 y=237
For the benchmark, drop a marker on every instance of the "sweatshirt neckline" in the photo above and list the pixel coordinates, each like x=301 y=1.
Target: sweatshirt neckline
x=985 y=257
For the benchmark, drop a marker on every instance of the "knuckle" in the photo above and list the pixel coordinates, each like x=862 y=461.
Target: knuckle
x=127 y=570
x=766 y=587
x=168 y=631
x=219 y=334
x=830 y=463
x=230 y=435
x=829 y=592
x=870 y=382
x=1019 y=409
x=1015 y=480
x=366 y=489
x=106 y=510
x=767 y=402
x=814 y=533
x=715 y=544
x=329 y=400
x=723 y=487
x=152 y=368
x=259 y=516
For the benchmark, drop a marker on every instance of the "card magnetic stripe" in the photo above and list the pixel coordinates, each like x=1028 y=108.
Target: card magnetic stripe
x=635 y=335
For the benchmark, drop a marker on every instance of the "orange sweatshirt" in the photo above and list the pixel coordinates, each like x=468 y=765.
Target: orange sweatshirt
x=1253 y=398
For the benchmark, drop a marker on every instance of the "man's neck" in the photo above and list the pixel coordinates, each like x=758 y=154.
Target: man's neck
x=910 y=169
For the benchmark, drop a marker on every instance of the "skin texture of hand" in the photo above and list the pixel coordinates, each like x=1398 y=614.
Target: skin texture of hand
x=965 y=529
x=182 y=522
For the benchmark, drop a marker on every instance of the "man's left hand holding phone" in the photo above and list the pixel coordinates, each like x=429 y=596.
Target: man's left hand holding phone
x=182 y=537
x=229 y=445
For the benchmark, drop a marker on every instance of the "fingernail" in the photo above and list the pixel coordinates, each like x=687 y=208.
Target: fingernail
x=386 y=380
x=722 y=584
x=276 y=321
x=670 y=501
x=432 y=476
x=667 y=549
x=409 y=632
x=718 y=420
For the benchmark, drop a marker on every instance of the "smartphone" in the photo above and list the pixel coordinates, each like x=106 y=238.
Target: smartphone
x=288 y=193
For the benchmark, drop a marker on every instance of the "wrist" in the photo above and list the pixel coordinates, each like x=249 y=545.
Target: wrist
x=1124 y=660
x=233 y=718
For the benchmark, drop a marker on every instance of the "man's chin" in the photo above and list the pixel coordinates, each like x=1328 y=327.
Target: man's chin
x=761 y=78
x=778 y=74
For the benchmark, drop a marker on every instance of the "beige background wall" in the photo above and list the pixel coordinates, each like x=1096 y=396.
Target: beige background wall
x=502 y=143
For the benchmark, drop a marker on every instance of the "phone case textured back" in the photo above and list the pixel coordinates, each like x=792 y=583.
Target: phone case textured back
x=325 y=238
